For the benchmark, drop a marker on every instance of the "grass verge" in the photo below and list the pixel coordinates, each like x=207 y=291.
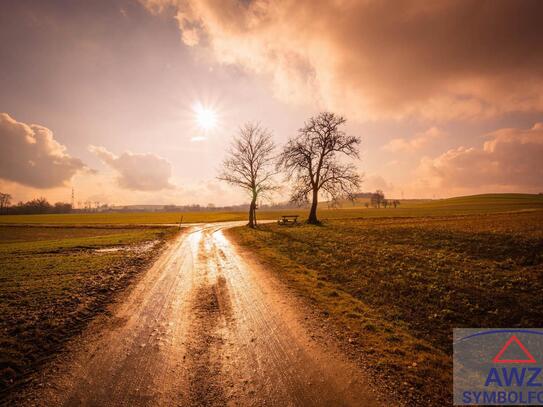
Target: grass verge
x=394 y=288
x=54 y=280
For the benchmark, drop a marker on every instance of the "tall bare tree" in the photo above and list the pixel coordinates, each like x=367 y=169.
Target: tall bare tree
x=311 y=161
x=250 y=164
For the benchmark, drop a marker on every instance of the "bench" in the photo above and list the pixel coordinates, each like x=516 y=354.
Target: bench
x=288 y=220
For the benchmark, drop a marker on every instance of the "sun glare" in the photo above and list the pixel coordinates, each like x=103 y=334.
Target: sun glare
x=205 y=117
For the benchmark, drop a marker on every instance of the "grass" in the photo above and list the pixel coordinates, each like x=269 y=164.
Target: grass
x=395 y=281
x=52 y=281
x=396 y=287
x=409 y=208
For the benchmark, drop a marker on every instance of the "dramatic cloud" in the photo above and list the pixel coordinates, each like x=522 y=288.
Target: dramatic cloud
x=443 y=60
x=510 y=158
x=30 y=155
x=419 y=141
x=139 y=172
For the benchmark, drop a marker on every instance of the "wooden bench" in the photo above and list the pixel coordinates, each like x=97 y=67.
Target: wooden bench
x=288 y=220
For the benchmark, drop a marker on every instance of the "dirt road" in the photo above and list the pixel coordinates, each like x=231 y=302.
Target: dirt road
x=203 y=327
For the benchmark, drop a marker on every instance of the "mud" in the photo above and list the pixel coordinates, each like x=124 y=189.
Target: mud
x=202 y=327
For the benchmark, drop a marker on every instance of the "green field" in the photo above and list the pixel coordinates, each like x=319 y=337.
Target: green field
x=54 y=279
x=408 y=208
x=395 y=287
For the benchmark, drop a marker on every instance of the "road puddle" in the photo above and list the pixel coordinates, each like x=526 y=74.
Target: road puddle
x=138 y=248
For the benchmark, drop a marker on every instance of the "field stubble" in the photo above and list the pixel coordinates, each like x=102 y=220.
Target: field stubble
x=55 y=279
x=394 y=288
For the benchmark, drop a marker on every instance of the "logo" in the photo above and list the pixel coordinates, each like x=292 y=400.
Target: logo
x=513 y=339
x=498 y=366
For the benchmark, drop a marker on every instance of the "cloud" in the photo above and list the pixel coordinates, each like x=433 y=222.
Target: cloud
x=29 y=155
x=139 y=172
x=440 y=60
x=374 y=182
x=419 y=141
x=510 y=158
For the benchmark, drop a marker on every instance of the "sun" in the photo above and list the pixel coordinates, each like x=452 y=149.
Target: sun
x=205 y=117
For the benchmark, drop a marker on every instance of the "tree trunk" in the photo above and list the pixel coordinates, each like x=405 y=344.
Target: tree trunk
x=313 y=212
x=252 y=217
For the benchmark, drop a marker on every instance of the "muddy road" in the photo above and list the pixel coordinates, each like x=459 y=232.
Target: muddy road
x=205 y=326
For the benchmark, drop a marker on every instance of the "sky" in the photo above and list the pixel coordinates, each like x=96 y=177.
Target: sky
x=107 y=96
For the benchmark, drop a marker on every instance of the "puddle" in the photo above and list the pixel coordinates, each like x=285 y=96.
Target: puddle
x=140 y=248
x=110 y=249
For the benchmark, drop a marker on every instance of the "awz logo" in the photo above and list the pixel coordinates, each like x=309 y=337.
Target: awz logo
x=514 y=377
x=498 y=366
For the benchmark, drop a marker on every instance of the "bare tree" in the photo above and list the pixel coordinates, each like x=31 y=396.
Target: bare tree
x=249 y=164
x=311 y=161
x=377 y=198
x=5 y=201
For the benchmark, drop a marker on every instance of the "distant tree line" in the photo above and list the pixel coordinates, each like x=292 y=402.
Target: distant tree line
x=32 y=207
x=5 y=201
x=377 y=200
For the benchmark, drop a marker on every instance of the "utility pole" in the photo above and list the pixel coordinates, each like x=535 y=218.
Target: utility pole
x=73 y=198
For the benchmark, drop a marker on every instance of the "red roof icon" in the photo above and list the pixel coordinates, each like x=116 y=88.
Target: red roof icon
x=529 y=357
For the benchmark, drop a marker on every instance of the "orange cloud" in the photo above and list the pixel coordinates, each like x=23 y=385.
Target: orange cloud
x=440 y=60
x=31 y=156
x=140 y=172
x=374 y=181
x=510 y=158
x=410 y=145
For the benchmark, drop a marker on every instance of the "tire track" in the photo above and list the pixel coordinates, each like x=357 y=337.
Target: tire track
x=203 y=327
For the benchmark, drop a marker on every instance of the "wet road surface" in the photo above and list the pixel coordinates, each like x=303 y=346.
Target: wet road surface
x=205 y=326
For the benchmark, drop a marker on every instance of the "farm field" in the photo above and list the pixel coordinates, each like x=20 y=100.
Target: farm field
x=395 y=287
x=408 y=208
x=55 y=279
x=392 y=282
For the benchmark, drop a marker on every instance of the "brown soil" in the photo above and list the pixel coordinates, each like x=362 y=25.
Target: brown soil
x=203 y=327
